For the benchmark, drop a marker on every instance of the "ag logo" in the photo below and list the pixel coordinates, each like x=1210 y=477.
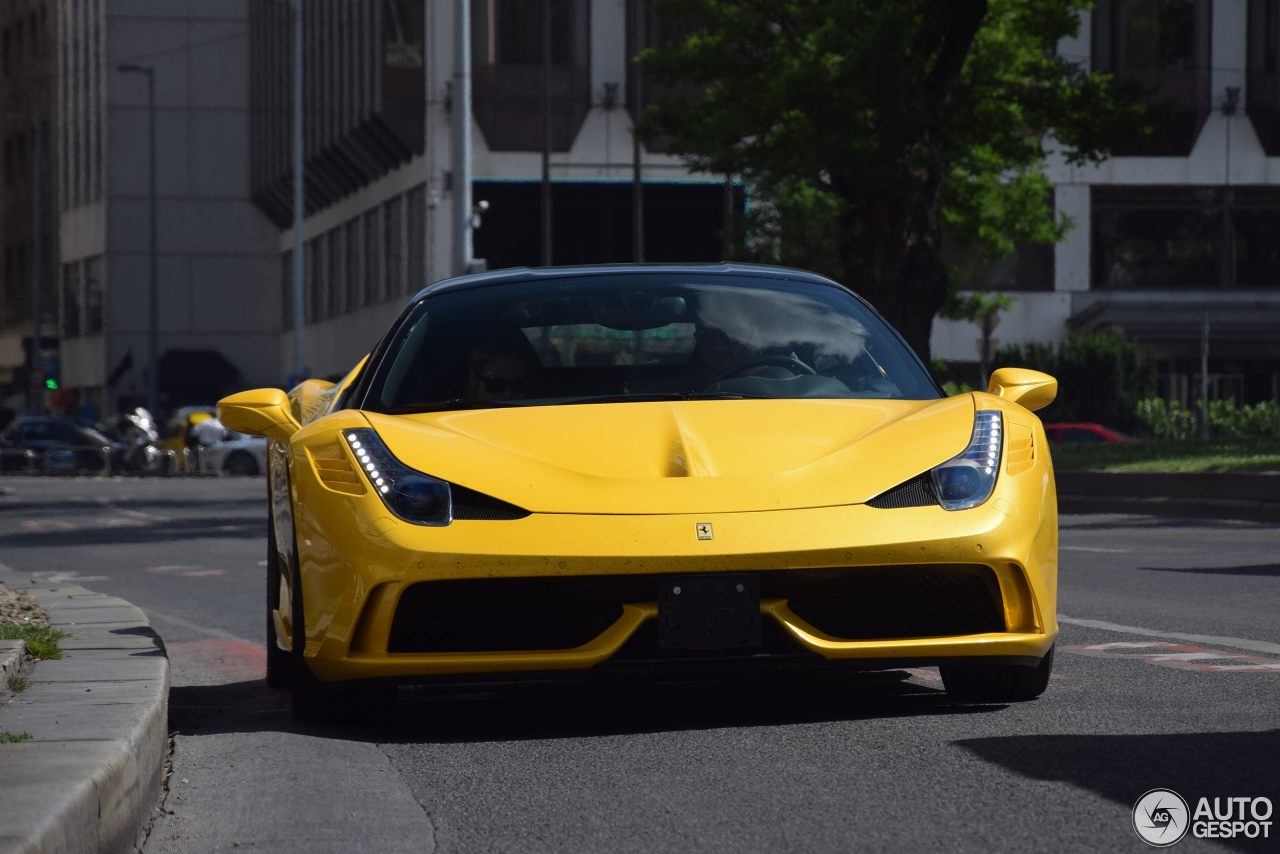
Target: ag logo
x=703 y=530
x=1160 y=817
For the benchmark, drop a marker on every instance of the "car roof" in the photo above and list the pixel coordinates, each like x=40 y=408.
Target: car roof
x=530 y=274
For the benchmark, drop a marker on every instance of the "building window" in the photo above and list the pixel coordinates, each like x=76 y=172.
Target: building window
x=506 y=45
x=372 y=251
x=393 y=238
x=314 y=271
x=71 y=300
x=335 y=274
x=1262 y=83
x=286 y=290
x=1163 y=44
x=93 y=295
x=352 y=246
x=1186 y=237
x=417 y=238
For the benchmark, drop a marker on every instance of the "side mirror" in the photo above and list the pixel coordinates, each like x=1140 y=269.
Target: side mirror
x=260 y=412
x=1029 y=389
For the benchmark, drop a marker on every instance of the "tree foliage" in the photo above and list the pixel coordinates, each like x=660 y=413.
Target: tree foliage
x=1102 y=377
x=866 y=127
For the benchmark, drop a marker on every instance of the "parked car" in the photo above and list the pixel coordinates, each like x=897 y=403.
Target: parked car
x=238 y=453
x=1083 y=434
x=625 y=472
x=56 y=444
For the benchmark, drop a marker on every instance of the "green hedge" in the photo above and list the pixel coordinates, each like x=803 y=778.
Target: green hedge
x=1102 y=377
x=1170 y=422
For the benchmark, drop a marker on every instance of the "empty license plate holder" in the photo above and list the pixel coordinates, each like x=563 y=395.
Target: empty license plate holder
x=716 y=611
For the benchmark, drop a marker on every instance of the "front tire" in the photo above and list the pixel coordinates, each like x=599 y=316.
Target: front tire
x=997 y=683
x=309 y=702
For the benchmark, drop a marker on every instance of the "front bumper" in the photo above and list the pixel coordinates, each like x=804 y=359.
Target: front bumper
x=356 y=565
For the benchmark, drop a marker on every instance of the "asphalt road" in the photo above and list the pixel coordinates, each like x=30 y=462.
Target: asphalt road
x=867 y=762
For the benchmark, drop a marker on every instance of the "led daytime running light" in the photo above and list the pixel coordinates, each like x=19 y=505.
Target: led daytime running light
x=967 y=480
x=409 y=494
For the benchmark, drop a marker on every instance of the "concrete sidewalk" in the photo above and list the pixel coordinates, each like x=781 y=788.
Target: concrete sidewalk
x=90 y=775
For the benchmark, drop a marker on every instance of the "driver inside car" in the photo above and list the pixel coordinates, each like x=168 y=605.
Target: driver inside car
x=500 y=368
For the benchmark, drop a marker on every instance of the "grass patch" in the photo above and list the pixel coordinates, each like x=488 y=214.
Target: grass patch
x=42 y=641
x=17 y=684
x=1260 y=454
x=14 y=737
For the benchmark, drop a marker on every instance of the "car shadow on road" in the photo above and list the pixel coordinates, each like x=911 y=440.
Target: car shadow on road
x=569 y=710
x=1122 y=768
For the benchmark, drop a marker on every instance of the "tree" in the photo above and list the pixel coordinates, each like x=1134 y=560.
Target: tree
x=866 y=127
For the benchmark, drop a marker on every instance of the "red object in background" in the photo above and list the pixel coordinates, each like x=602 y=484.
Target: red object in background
x=1083 y=434
x=63 y=398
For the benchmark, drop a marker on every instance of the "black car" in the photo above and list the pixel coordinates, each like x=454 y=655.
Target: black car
x=56 y=444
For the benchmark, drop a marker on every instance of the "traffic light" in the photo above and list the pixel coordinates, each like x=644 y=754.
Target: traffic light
x=51 y=384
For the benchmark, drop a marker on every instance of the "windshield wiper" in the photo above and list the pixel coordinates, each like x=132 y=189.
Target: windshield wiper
x=442 y=405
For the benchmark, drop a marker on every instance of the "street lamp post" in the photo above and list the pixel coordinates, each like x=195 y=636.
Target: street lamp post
x=461 y=115
x=153 y=290
x=37 y=248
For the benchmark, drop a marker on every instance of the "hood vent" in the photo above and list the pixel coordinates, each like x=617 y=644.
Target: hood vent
x=917 y=492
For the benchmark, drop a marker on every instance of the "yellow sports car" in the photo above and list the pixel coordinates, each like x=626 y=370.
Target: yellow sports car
x=652 y=471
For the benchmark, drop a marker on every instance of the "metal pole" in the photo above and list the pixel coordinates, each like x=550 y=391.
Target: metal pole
x=546 y=133
x=37 y=318
x=461 y=138
x=1204 y=376
x=299 y=204
x=153 y=317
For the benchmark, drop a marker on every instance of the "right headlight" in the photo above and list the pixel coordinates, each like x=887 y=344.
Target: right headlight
x=966 y=480
x=413 y=496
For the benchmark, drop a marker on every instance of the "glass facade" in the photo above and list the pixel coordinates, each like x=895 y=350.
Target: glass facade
x=1186 y=237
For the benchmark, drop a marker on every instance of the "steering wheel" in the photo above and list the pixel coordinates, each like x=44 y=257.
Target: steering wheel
x=788 y=361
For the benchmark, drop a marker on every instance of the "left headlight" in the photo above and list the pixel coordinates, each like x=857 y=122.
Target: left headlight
x=966 y=480
x=413 y=496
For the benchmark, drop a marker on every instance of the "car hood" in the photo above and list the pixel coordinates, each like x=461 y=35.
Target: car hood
x=715 y=456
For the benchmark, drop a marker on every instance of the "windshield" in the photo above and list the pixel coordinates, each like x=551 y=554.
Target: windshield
x=641 y=337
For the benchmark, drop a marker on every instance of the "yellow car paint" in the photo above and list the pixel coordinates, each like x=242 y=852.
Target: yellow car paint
x=619 y=488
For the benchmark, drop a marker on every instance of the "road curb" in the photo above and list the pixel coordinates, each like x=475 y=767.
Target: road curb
x=1244 y=496
x=88 y=778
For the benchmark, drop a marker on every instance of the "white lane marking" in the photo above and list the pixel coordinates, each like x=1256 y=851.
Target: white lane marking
x=187 y=571
x=1238 y=643
x=1180 y=657
x=262 y=563
x=207 y=631
x=1091 y=549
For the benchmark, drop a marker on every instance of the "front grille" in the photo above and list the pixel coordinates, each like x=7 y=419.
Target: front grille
x=884 y=602
x=917 y=492
x=563 y=612
x=497 y=614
